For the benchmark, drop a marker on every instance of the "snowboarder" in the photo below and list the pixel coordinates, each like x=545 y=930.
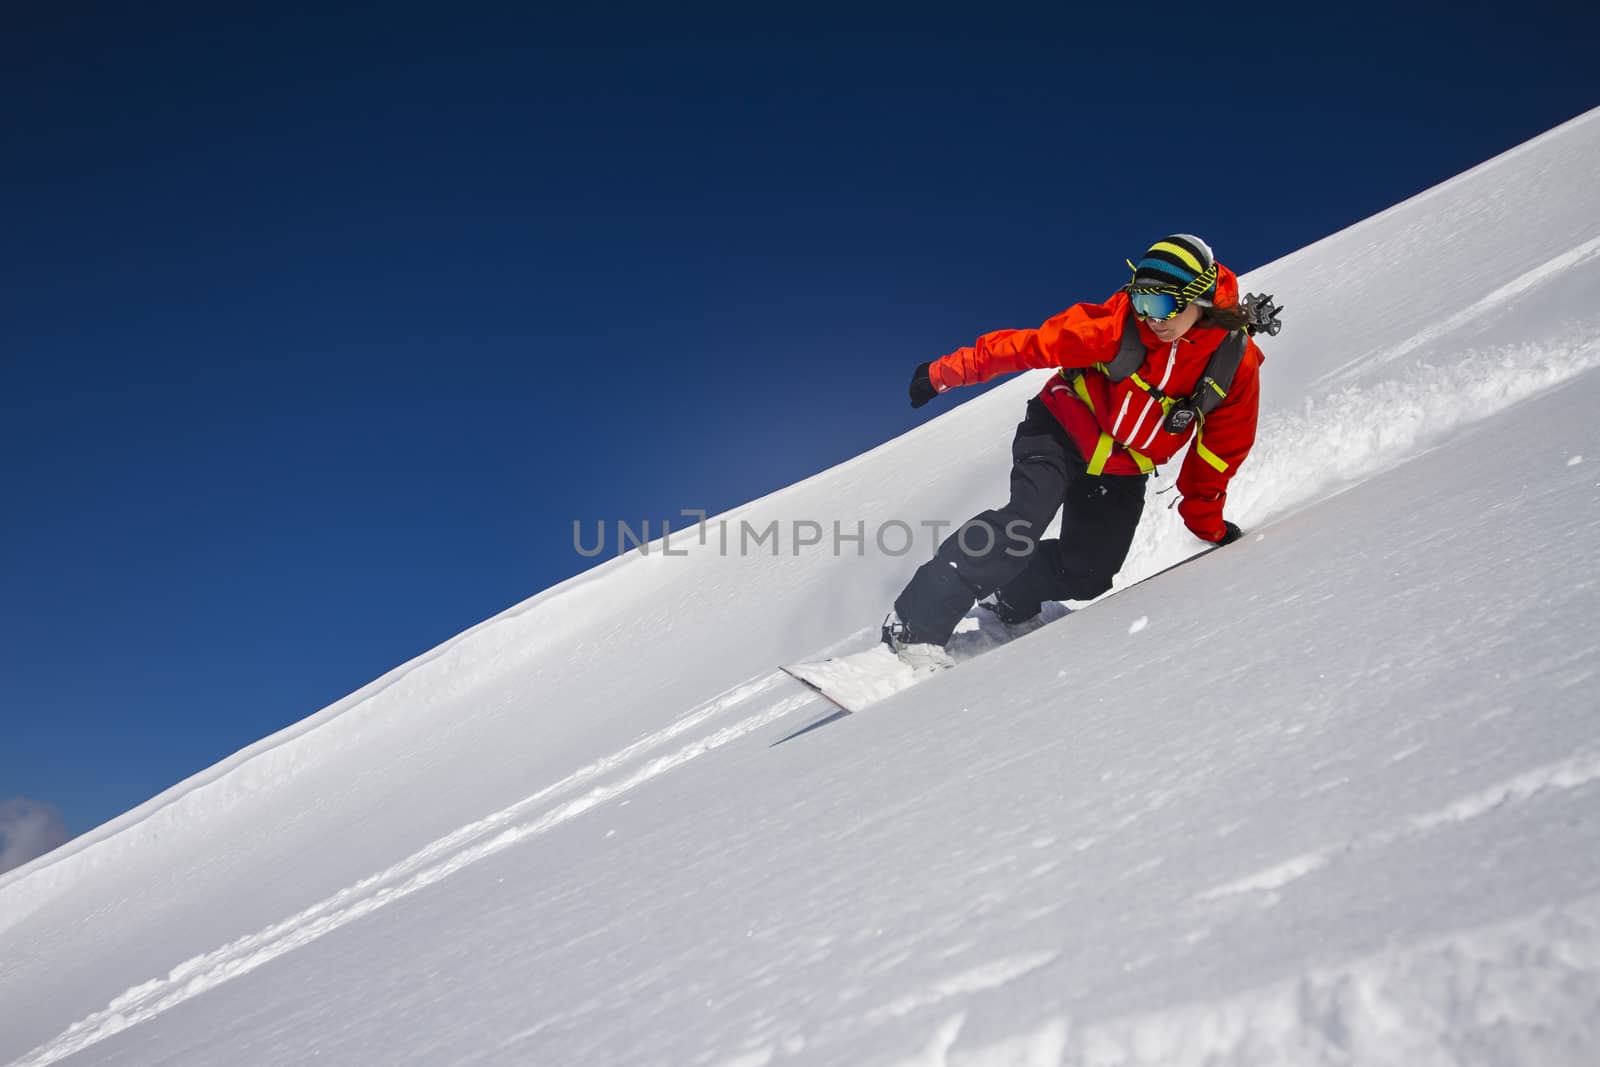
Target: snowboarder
x=1168 y=357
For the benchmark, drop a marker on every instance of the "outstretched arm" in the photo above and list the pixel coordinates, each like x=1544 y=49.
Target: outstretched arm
x=1082 y=335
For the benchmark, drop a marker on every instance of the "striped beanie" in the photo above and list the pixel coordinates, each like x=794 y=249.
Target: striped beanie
x=1180 y=263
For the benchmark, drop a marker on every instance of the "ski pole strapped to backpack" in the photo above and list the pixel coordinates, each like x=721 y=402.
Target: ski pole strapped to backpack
x=1263 y=314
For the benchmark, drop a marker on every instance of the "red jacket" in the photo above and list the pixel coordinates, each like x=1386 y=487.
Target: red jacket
x=1086 y=334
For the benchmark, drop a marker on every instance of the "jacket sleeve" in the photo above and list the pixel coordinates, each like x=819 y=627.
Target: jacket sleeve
x=1082 y=335
x=1219 y=447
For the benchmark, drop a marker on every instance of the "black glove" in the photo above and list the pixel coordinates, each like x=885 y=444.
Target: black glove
x=1230 y=533
x=922 y=389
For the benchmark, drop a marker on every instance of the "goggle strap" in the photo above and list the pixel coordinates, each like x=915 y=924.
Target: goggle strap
x=1186 y=295
x=1201 y=283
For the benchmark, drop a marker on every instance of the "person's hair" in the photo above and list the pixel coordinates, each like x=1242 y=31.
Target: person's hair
x=1228 y=318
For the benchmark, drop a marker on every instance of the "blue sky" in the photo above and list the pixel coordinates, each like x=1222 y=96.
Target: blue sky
x=322 y=326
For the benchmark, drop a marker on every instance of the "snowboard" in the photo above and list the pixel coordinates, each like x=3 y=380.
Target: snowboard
x=860 y=679
x=854 y=681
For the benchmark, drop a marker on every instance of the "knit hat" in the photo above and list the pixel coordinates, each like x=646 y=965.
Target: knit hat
x=1180 y=263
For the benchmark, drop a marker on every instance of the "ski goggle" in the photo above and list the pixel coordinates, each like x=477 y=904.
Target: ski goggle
x=1156 y=305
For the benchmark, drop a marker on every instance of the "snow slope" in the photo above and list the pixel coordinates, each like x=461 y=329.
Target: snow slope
x=1331 y=795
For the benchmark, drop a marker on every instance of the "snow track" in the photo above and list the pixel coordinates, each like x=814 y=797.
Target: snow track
x=1468 y=321
x=440 y=860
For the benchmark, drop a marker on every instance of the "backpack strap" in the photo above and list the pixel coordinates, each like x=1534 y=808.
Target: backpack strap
x=1214 y=384
x=1178 y=412
x=1131 y=353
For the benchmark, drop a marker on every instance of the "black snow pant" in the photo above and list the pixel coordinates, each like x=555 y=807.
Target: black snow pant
x=1003 y=550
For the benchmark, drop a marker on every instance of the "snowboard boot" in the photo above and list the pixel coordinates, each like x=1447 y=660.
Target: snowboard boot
x=916 y=652
x=1018 y=620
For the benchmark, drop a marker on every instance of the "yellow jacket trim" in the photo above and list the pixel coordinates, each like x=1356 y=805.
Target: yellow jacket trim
x=1103 y=447
x=1209 y=456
